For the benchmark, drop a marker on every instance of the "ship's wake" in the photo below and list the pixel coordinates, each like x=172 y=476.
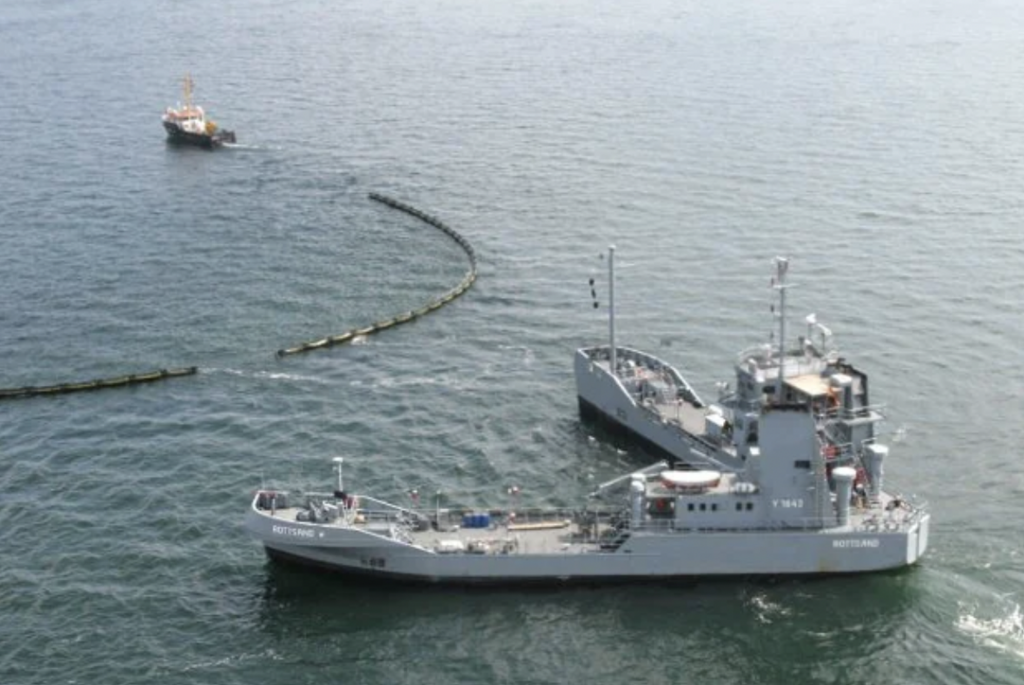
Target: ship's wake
x=1005 y=632
x=269 y=375
x=244 y=146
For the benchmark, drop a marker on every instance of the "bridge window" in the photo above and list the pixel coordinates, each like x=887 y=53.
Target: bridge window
x=802 y=464
x=750 y=506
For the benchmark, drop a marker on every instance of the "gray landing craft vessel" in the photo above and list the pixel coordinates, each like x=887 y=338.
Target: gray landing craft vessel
x=648 y=400
x=800 y=493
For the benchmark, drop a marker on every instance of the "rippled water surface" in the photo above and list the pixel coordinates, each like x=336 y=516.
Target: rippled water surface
x=878 y=146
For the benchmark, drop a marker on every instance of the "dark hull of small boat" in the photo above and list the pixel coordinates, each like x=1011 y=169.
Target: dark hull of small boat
x=178 y=136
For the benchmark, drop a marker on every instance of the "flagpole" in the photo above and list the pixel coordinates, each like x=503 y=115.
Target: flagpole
x=611 y=310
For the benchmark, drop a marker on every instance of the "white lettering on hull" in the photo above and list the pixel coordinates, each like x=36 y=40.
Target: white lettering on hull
x=295 y=532
x=847 y=544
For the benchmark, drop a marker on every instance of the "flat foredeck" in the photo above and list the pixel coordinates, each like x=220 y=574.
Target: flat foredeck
x=668 y=402
x=539 y=534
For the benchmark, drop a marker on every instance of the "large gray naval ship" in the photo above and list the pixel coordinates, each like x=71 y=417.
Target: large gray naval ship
x=786 y=514
x=781 y=478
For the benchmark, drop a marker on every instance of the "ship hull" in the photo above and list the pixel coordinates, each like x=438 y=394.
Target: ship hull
x=645 y=556
x=703 y=556
x=179 y=136
x=621 y=431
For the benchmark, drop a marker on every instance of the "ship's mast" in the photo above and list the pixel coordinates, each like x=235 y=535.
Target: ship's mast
x=188 y=91
x=781 y=266
x=611 y=310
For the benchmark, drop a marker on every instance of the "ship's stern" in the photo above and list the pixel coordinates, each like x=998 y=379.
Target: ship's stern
x=917 y=539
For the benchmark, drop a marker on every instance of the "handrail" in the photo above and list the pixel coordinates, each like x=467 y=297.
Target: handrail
x=873 y=520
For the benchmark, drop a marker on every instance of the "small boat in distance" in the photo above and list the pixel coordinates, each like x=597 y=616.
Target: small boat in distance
x=187 y=123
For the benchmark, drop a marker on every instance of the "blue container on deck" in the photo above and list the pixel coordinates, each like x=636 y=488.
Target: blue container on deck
x=476 y=520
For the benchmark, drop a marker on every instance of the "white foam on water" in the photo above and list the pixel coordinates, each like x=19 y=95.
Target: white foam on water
x=765 y=609
x=243 y=146
x=277 y=375
x=230 y=660
x=1002 y=632
x=454 y=382
x=271 y=375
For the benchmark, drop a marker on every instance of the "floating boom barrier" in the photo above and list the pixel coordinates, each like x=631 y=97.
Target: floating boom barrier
x=347 y=336
x=97 y=384
x=408 y=316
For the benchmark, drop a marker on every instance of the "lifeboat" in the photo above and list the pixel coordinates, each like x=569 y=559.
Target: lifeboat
x=690 y=481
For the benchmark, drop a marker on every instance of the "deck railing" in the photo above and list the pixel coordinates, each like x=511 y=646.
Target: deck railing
x=371 y=509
